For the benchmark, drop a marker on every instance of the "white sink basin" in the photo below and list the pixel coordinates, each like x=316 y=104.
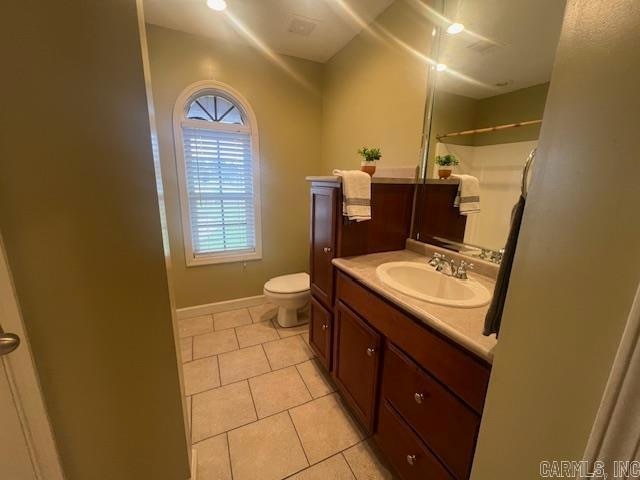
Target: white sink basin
x=421 y=281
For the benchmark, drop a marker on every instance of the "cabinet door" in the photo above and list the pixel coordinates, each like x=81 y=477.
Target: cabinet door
x=320 y=331
x=323 y=239
x=356 y=362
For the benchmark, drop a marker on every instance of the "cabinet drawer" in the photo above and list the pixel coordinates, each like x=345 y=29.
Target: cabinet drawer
x=464 y=373
x=411 y=459
x=442 y=421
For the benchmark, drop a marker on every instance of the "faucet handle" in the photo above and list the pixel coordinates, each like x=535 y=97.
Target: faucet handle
x=435 y=260
x=461 y=273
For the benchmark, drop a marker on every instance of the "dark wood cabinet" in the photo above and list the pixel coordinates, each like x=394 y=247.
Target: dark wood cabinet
x=431 y=392
x=356 y=362
x=419 y=393
x=411 y=459
x=332 y=235
x=321 y=332
x=444 y=423
x=323 y=241
x=437 y=215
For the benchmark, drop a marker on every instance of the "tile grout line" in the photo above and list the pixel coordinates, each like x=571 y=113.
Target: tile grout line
x=229 y=454
x=264 y=418
x=254 y=376
x=303 y=382
x=304 y=452
x=267 y=357
x=347 y=461
x=253 y=401
x=276 y=327
x=219 y=371
x=239 y=348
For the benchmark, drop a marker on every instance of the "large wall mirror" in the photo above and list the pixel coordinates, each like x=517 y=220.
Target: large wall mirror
x=494 y=66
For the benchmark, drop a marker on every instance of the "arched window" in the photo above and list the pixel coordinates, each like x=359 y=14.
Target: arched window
x=217 y=150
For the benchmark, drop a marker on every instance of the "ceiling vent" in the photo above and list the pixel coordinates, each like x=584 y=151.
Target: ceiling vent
x=482 y=47
x=302 y=26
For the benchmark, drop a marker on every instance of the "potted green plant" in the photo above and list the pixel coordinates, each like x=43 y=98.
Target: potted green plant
x=446 y=164
x=371 y=156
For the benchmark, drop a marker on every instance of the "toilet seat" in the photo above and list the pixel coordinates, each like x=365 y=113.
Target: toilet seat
x=285 y=284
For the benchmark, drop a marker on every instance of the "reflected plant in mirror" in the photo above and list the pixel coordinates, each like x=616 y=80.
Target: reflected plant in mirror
x=446 y=164
x=486 y=112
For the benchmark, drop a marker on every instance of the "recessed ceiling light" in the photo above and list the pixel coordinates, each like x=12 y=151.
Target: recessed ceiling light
x=455 y=28
x=441 y=67
x=217 y=5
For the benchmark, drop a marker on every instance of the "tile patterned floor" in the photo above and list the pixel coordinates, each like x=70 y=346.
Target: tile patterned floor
x=261 y=408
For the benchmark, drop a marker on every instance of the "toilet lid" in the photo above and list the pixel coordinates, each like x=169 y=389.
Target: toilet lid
x=294 y=283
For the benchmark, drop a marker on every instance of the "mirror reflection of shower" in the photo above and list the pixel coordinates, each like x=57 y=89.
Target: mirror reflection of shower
x=488 y=105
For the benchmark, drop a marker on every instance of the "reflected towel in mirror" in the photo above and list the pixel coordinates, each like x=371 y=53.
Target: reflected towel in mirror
x=468 y=197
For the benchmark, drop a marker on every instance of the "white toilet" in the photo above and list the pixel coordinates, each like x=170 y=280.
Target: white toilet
x=290 y=293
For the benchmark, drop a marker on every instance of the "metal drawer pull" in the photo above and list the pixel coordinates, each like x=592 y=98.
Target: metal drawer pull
x=411 y=460
x=324 y=326
x=326 y=249
x=418 y=397
x=371 y=351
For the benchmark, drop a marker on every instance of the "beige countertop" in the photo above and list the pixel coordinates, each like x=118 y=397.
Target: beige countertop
x=374 y=179
x=462 y=325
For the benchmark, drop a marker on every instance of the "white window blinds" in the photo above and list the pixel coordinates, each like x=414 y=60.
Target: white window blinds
x=219 y=176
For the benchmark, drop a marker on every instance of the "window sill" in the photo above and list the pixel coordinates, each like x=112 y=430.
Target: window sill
x=222 y=258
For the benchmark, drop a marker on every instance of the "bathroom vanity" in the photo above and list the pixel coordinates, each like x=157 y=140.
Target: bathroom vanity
x=414 y=373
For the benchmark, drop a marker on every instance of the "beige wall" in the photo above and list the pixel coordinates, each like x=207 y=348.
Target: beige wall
x=79 y=218
x=455 y=113
x=577 y=264
x=374 y=94
x=288 y=116
x=518 y=106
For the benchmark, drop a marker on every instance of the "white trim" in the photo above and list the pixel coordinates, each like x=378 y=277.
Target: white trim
x=25 y=386
x=194 y=464
x=178 y=120
x=615 y=434
x=209 y=308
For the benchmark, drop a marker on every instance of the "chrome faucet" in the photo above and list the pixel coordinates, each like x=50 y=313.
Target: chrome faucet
x=493 y=256
x=461 y=271
x=434 y=261
x=448 y=266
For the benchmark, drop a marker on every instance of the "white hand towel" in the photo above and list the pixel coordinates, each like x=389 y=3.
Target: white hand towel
x=468 y=197
x=356 y=194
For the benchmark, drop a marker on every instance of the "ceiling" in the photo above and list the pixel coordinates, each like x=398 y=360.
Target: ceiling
x=270 y=21
x=511 y=41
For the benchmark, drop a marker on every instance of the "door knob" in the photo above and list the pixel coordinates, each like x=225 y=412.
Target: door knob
x=411 y=459
x=371 y=351
x=324 y=326
x=418 y=397
x=8 y=343
x=326 y=249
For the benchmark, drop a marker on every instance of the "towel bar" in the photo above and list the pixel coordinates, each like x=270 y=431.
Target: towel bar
x=525 y=172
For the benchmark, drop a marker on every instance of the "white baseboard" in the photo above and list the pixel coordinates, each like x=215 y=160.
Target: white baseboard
x=209 y=308
x=194 y=464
